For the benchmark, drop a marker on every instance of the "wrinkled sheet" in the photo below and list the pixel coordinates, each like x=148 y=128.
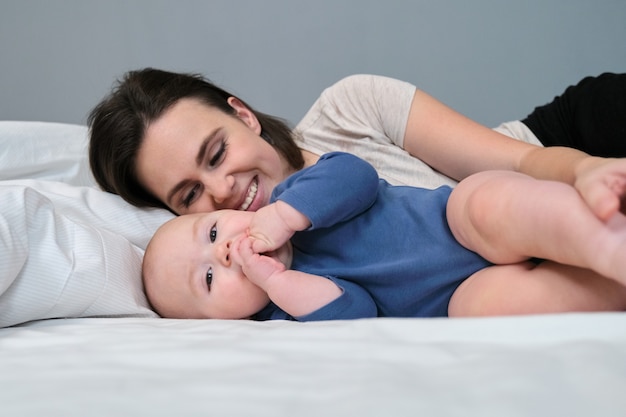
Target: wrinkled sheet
x=551 y=365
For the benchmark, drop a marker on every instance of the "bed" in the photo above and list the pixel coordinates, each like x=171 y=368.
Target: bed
x=78 y=338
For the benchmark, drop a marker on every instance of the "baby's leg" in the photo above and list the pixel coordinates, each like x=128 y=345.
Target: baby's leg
x=526 y=288
x=508 y=217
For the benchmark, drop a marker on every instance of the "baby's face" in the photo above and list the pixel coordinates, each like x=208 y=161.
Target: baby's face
x=189 y=272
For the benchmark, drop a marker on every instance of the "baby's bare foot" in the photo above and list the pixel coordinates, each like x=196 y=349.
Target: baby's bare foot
x=616 y=260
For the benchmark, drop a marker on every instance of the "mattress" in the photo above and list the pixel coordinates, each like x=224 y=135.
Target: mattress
x=550 y=365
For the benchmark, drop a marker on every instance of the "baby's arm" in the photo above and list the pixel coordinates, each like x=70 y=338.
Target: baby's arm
x=338 y=187
x=273 y=225
x=297 y=293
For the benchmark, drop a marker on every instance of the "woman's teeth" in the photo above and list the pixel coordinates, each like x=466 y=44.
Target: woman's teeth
x=251 y=194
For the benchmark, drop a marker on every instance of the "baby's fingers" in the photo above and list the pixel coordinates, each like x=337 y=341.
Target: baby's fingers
x=259 y=246
x=241 y=251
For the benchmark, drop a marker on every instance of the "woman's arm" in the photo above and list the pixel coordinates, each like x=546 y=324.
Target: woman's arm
x=457 y=146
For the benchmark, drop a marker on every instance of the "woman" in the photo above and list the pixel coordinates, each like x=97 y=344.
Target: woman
x=176 y=141
x=147 y=134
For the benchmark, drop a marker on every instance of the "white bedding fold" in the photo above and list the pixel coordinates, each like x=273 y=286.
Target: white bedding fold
x=68 y=251
x=570 y=365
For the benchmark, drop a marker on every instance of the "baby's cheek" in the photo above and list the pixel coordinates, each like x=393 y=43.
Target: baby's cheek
x=248 y=298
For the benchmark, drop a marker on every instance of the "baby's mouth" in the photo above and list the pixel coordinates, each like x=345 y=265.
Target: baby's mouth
x=254 y=187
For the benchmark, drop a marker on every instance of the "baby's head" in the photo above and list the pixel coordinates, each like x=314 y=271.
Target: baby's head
x=188 y=270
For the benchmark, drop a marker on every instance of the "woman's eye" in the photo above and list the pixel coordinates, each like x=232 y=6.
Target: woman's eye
x=213 y=234
x=209 y=278
x=191 y=195
x=219 y=154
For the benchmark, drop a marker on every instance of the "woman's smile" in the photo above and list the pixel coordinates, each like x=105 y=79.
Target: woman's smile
x=252 y=192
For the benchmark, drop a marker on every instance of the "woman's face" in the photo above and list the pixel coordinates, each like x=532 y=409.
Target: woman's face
x=196 y=158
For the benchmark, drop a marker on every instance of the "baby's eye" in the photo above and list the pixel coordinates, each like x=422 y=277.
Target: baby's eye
x=213 y=234
x=209 y=278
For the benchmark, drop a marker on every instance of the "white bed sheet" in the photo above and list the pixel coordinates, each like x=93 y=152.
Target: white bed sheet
x=552 y=365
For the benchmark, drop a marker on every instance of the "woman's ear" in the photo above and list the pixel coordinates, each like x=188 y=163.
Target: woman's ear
x=245 y=114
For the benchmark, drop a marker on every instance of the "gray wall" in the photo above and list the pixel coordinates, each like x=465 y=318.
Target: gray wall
x=493 y=60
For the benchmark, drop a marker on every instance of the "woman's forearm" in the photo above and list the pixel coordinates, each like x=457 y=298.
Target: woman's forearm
x=454 y=144
x=458 y=147
x=556 y=163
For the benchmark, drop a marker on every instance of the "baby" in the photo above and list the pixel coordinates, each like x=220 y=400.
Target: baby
x=337 y=242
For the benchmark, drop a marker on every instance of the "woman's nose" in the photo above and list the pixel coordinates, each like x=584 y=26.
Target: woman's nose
x=223 y=253
x=220 y=189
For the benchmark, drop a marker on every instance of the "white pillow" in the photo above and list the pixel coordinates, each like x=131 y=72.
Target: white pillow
x=68 y=251
x=65 y=250
x=46 y=151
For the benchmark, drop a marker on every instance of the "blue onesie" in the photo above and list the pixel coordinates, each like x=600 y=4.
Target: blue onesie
x=389 y=248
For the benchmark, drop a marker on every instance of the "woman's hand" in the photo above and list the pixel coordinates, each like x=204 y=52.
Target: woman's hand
x=602 y=184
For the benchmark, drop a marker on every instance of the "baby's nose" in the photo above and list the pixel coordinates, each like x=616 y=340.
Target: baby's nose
x=223 y=253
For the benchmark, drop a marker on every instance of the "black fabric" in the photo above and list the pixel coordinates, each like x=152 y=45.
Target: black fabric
x=590 y=116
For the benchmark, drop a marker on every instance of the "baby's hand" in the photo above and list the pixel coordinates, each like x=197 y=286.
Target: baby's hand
x=257 y=268
x=273 y=225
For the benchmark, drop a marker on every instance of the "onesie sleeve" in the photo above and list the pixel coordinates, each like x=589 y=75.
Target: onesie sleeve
x=354 y=303
x=338 y=187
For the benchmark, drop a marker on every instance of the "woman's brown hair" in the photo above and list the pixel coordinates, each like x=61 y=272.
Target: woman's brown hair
x=118 y=124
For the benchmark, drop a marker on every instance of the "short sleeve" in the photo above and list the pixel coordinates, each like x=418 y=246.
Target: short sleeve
x=338 y=187
x=367 y=115
x=354 y=303
x=367 y=106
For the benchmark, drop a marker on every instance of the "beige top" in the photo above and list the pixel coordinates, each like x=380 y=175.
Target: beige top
x=364 y=115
